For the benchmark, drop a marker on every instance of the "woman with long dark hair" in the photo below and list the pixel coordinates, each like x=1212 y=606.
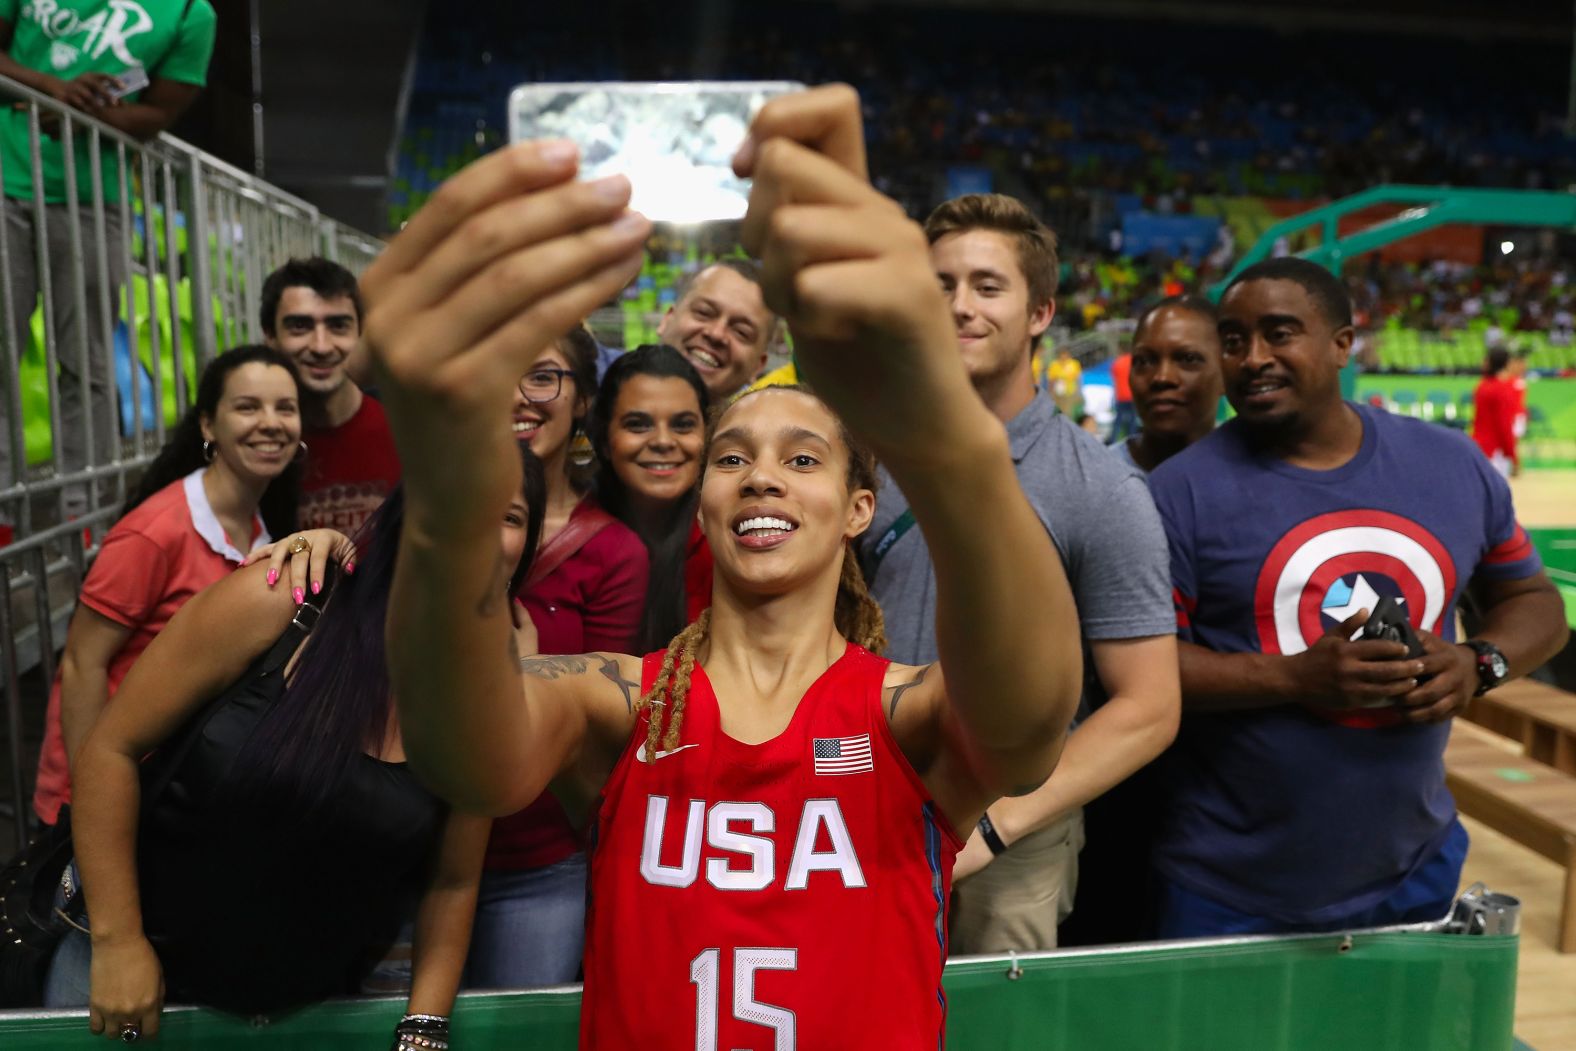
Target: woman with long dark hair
x=648 y=427
x=292 y=837
x=225 y=482
x=776 y=809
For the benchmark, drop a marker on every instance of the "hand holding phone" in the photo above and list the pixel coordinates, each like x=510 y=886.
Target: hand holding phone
x=132 y=80
x=1388 y=623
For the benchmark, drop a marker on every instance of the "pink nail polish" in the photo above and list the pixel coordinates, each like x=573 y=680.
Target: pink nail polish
x=273 y=577
x=350 y=568
x=317 y=585
x=298 y=595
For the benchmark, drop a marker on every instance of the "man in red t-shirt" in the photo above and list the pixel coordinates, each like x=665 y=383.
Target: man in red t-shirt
x=311 y=310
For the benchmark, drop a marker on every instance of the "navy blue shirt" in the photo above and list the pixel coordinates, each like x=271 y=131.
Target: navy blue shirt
x=1293 y=812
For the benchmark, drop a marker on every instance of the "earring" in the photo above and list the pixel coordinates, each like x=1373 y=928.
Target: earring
x=300 y=453
x=207 y=452
x=581 y=452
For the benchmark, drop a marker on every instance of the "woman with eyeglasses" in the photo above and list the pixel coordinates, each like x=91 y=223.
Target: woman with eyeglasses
x=586 y=591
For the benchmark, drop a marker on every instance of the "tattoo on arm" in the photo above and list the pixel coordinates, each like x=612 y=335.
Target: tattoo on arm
x=902 y=688
x=552 y=667
x=611 y=669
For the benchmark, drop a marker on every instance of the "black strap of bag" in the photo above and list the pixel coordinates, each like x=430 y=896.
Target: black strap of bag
x=31 y=925
x=166 y=763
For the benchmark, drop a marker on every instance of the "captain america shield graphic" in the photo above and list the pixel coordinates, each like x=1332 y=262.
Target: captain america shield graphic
x=1334 y=564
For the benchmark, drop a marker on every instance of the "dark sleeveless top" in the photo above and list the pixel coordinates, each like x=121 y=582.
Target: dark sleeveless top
x=255 y=906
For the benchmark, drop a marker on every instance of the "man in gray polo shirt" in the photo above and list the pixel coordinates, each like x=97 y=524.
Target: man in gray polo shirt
x=997 y=265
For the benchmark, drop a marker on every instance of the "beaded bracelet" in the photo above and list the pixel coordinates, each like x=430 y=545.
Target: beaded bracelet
x=422 y=1033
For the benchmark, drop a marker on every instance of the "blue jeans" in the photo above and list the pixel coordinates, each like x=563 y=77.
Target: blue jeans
x=1425 y=895
x=66 y=982
x=530 y=927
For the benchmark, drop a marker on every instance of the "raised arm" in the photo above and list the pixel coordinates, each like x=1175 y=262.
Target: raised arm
x=184 y=667
x=506 y=256
x=873 y=336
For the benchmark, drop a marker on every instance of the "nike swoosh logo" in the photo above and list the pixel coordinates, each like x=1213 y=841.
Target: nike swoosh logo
x=640 y=753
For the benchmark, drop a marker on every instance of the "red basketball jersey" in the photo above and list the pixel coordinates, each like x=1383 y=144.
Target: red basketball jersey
x=785 y=895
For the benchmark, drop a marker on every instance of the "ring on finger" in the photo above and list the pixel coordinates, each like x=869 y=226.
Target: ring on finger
x=130 y=1032
x=300 y=545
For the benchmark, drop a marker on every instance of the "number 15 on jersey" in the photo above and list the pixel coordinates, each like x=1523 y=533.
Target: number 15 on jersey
x=706 y=977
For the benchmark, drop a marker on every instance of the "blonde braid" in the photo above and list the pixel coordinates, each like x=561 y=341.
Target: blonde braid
x=857 y=616
x=671 y=687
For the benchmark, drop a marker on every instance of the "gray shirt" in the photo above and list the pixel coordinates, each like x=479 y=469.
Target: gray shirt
x=1124 y=452
x=1099 y=514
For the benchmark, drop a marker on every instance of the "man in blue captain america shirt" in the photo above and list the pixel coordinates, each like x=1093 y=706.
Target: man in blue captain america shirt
x=1306 y=789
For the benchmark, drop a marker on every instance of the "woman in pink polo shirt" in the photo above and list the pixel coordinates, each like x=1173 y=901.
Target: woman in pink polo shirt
x=225 y=481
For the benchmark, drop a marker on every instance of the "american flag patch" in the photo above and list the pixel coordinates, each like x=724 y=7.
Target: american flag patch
x=842 y=755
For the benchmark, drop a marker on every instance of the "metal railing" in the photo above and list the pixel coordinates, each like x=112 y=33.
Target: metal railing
x=124 y=274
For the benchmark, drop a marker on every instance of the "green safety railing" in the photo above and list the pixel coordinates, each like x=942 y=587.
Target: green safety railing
x=1369 y=991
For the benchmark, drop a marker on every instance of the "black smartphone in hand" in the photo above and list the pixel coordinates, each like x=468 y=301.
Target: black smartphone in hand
x=1388 y=622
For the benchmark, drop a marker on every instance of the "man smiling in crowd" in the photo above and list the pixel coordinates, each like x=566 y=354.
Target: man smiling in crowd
x=311 y=310
x=722 y=325
x=997 y=266
x=1307 y=789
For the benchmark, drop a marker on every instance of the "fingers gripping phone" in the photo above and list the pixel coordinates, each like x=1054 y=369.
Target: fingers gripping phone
x=134 y=79
x=1388 y=623
x=675 y=140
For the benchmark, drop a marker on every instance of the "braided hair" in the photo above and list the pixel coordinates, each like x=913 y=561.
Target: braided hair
x=856 y=616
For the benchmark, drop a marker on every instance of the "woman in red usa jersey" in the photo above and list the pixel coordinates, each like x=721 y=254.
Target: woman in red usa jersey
x=775 y=809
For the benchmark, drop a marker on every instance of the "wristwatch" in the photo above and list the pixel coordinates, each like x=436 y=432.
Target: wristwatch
x=1492 y=667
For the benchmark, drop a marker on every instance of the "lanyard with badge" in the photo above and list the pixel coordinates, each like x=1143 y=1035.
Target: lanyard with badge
x=878 y=554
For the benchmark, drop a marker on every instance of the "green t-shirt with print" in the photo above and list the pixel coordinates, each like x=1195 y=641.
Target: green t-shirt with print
x=169 y=39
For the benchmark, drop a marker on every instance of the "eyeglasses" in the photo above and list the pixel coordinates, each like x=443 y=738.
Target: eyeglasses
x=543 y=385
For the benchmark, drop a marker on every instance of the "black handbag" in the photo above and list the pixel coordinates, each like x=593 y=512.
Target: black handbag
x=31 y=926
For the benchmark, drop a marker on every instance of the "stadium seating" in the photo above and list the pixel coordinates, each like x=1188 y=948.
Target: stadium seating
x=1152 y=112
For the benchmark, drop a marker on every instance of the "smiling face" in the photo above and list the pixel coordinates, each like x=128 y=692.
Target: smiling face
x=985 y=285
x=256 y=429
x=1281 y=356
x=655 y=439
x=319 y=334
x=547 y=425
x=722 y=326
x=1176 y=376
x=775 y=501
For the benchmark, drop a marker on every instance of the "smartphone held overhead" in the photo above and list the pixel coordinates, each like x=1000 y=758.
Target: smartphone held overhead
x=675 y=141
